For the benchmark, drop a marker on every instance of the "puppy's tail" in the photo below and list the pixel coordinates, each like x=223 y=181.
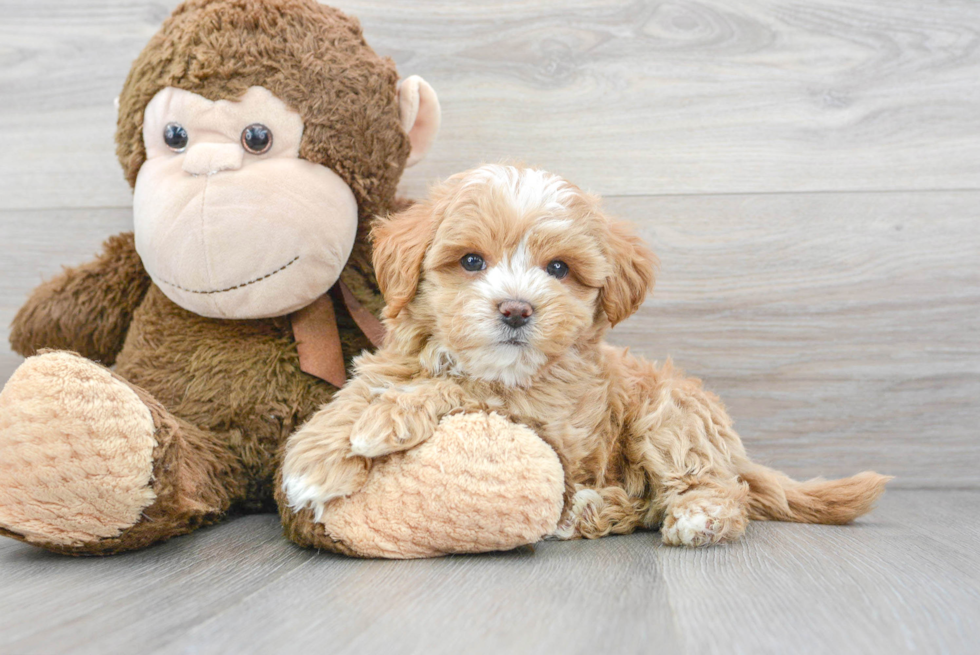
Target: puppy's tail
x=776 y=497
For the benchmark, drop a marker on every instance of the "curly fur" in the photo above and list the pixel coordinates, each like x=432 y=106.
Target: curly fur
x=644 y=444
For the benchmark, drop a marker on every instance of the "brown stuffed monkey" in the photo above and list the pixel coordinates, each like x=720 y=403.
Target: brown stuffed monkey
x=260 y=138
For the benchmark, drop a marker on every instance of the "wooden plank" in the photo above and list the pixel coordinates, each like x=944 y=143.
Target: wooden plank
x=633 y=98
x=841 y=329
x=895 y=582
x=627 y=98
x=557 y=599
x=122 y=603
x=889 y=584
x=61 y=67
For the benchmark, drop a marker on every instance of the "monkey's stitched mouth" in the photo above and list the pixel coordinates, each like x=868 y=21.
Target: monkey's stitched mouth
x=207 y=292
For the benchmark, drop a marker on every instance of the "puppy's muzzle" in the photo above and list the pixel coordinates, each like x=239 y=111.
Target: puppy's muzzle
x=515 y=313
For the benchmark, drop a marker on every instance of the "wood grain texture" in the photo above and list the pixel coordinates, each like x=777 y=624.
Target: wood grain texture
x=903 y=579
x=840 y=325
x=842 y=330
x=625 y=96
x=887 y=585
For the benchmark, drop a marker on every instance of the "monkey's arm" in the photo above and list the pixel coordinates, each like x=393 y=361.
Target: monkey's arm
x=87 y=308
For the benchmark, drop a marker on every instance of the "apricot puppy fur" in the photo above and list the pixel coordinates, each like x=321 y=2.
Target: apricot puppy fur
x=499 y=289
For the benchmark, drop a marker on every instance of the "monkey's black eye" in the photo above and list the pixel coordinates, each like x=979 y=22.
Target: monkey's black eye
x=472 y=262
x=557 y=268
x=175 y=136
x=257 y=138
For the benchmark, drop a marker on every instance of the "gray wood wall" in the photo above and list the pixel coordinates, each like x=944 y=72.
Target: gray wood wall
x=809 y=173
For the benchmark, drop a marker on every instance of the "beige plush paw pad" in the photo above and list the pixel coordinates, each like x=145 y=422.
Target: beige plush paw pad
x=76 y=452
x=479 y=484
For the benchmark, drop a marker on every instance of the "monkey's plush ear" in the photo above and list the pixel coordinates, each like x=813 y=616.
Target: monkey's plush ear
x=400 y=242
x=418 y=107
x=632 y=277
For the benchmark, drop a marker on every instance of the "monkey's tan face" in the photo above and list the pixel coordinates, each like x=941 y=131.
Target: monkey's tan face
x=230 y=222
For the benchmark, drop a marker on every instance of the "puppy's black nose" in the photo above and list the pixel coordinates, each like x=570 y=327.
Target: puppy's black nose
x=515 y=313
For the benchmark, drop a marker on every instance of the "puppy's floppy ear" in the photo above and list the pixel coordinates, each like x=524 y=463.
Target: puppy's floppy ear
x=632 y=277
x=400 y=241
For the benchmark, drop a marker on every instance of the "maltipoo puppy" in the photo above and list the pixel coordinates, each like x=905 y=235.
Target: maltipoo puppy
x=499 y=289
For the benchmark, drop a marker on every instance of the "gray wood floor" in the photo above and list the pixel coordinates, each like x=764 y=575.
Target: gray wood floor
x=905 y=579
x=809 y=174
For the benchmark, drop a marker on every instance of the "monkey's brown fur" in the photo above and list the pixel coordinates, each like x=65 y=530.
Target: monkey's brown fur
x=225 y=394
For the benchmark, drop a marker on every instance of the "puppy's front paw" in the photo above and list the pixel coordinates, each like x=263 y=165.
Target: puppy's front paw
x=702 y=522
x=391 y=424
x=317 y=487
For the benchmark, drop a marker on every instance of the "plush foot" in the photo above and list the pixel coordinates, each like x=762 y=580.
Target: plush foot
x=76 y=453
x=702 y=521
x=480 y=483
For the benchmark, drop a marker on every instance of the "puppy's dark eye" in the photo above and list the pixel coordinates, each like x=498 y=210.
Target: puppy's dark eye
x=472 y=262
x=257 y=138
x=175 y=136
x=557 y=268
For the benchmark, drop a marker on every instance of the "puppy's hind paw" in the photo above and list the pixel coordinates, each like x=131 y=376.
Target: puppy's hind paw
x=686 y=528
x=586 y=504
x=701 y=523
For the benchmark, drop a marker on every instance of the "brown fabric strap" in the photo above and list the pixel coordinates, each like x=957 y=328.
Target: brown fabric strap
x=318 y=341
x=372 y=328
x=318 y=337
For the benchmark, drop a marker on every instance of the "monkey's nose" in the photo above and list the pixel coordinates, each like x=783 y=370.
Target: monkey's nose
x=211 y=158
x=515 y=313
